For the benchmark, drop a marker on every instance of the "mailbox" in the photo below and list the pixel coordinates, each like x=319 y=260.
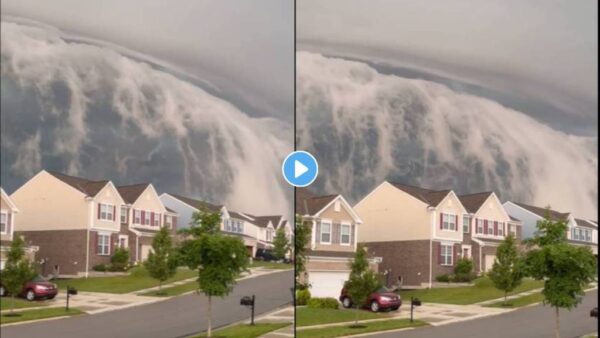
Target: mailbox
x=416 y=302
x=247 y=301
x=71 y=291
x=594 y=312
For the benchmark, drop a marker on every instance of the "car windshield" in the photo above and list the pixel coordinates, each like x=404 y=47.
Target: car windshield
x=38 y=278
x=383 y=289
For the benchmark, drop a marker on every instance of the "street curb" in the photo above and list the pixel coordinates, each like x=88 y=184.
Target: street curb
x=383 y=331
x=41 y=320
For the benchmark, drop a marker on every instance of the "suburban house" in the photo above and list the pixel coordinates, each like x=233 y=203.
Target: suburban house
x=418 y=232
x=484 y=227
x=232 y=223
x=8 y=212
x=580 y=231
x=267 y=225
x=74 y=221
x=141 y=217
x=333 y=241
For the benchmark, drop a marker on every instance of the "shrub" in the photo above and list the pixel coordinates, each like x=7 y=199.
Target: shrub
x=119 y=260
x=99 y=267
x=323 y=303
x=463 y=271
x=445 y=278
x=302 y=297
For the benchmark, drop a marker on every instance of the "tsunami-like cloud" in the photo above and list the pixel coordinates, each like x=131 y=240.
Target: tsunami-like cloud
x=91 y=111
x=365 y=127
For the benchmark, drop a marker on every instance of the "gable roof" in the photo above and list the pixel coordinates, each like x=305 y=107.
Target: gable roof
x=585 y=223
x=309 y=204
x=88 y=187
x=263 y=221
x=428 y=196
x=197 y=203
x=473 y=202
x=130 y=193
x=555 y=215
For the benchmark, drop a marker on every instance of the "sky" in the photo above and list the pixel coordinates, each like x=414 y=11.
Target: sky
x=244 y=49
x=542 y=49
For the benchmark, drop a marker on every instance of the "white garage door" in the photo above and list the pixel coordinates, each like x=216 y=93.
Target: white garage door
x=489 y=262
x=327 y=284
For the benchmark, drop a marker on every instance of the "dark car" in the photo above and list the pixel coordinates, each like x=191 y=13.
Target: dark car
x=380 y=299
x=35 y=289
x=594 y=312
x=265 y=255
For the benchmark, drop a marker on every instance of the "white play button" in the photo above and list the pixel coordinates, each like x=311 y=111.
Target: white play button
x=299 y=169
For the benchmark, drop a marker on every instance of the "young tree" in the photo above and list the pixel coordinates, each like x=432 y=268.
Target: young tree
x=565 y=269
x=119 y=260
x=507 y=271
x=362 y=282
x=17 y=271
x=301 y=240
x=220 y=259
x=162 y=261
x=281 y=244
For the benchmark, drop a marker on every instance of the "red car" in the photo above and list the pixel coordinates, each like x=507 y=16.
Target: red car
x=35 y=289
x=381 y=299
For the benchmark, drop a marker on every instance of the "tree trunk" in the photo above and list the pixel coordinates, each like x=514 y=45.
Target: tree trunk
x=356 y=315
x=209 y=331
x=504 y=297
x=557 y=324
x=12 y=304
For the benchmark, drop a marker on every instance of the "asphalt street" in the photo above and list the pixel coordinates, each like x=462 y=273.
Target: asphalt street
x=531 y=322
x=177 y=317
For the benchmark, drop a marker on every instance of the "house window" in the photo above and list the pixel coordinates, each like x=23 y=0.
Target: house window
x=106 y=212
x=513 y=230
x=240 y=227
x=466 y=224
x=168 y=221
x=147 y=218
x=479 y=226
x=137 y=216
x=466 y=253
x=588 y=235
x=345 y=234
x=448 y=222
x=500 y=229
x=3 y=222
x=156 y=220
x=103 y=244
x=326 y=233
x=490 y=227
x=227 y=225
x=123 y=214
x=446 y=254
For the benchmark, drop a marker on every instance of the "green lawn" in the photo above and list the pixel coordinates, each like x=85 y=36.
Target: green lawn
x=138 y=279
x=339 y=331
x=38 y=314
x=520 y=301
x=271 y=265
x=246 y=330
x=173 y=291
x=482 y=290
x=308 y=317
x=20 y=303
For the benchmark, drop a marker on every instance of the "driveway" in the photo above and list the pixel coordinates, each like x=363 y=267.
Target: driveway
x=531 y=322
x=177 y=317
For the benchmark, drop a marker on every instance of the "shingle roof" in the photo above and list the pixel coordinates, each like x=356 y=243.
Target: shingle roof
x=585 y=223
x=543 y=212
x=309 y=204
x=514 y=218
x=130 y=193
x=88 y=187
x=472 y=202
x=198 y=204
x=263 y=221
x=429 y=196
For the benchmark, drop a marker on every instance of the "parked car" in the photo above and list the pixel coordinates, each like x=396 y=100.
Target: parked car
x=381 y=299
x=594 y=312
x=265 y=255
x=37 y=288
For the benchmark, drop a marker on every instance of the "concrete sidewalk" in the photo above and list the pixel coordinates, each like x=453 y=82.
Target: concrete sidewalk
x=285 y=315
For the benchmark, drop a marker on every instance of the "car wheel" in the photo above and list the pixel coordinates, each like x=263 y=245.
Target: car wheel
x=374 y=306
x=30 y=295
x=2 y=291
x=346 y=302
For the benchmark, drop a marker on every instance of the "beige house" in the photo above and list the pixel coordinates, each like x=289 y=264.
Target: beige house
x=8 y=223
x=333 y=240
x=141 y=217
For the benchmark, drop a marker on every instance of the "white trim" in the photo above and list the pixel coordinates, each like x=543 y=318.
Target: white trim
x=6 y=225
x=126 y=238
x=466 y=246
x=446 y=244
x=520 y=207
x=455 y=221
x=330 y=223
x=349 y=225
x=464 y=211
x=346 y=206
x=313 y=237
x=9 y=201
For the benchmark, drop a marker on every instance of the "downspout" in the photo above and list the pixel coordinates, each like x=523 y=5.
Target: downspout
x=87 y=237
x=431 y=249
x=313 y=240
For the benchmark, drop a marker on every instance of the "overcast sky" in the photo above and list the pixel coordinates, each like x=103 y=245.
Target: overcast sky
x=547 y=49
x=243 y=47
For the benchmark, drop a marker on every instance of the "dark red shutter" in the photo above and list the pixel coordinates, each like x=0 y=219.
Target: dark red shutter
x=114 y=212
x=485 y=226
x=456 y=222
x=152 y=218
x=439 y=253
x=99 y=210
x=143 y=220
x=495 y=228
x=111 y=238
x=441 y=220
x=95 y=241
x=8 y=222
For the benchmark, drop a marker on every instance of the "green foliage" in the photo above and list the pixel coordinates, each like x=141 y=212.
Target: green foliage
x=119 y=261
x=100 y=268
x=203 y=222
x=302 y=296
x=301 y=239
x=323 y=303
x=281 y=244
x=508 y=270
x=162 y=261
x=18 y=269
x=445 y=278
x=463 y=271
x=362 y=281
